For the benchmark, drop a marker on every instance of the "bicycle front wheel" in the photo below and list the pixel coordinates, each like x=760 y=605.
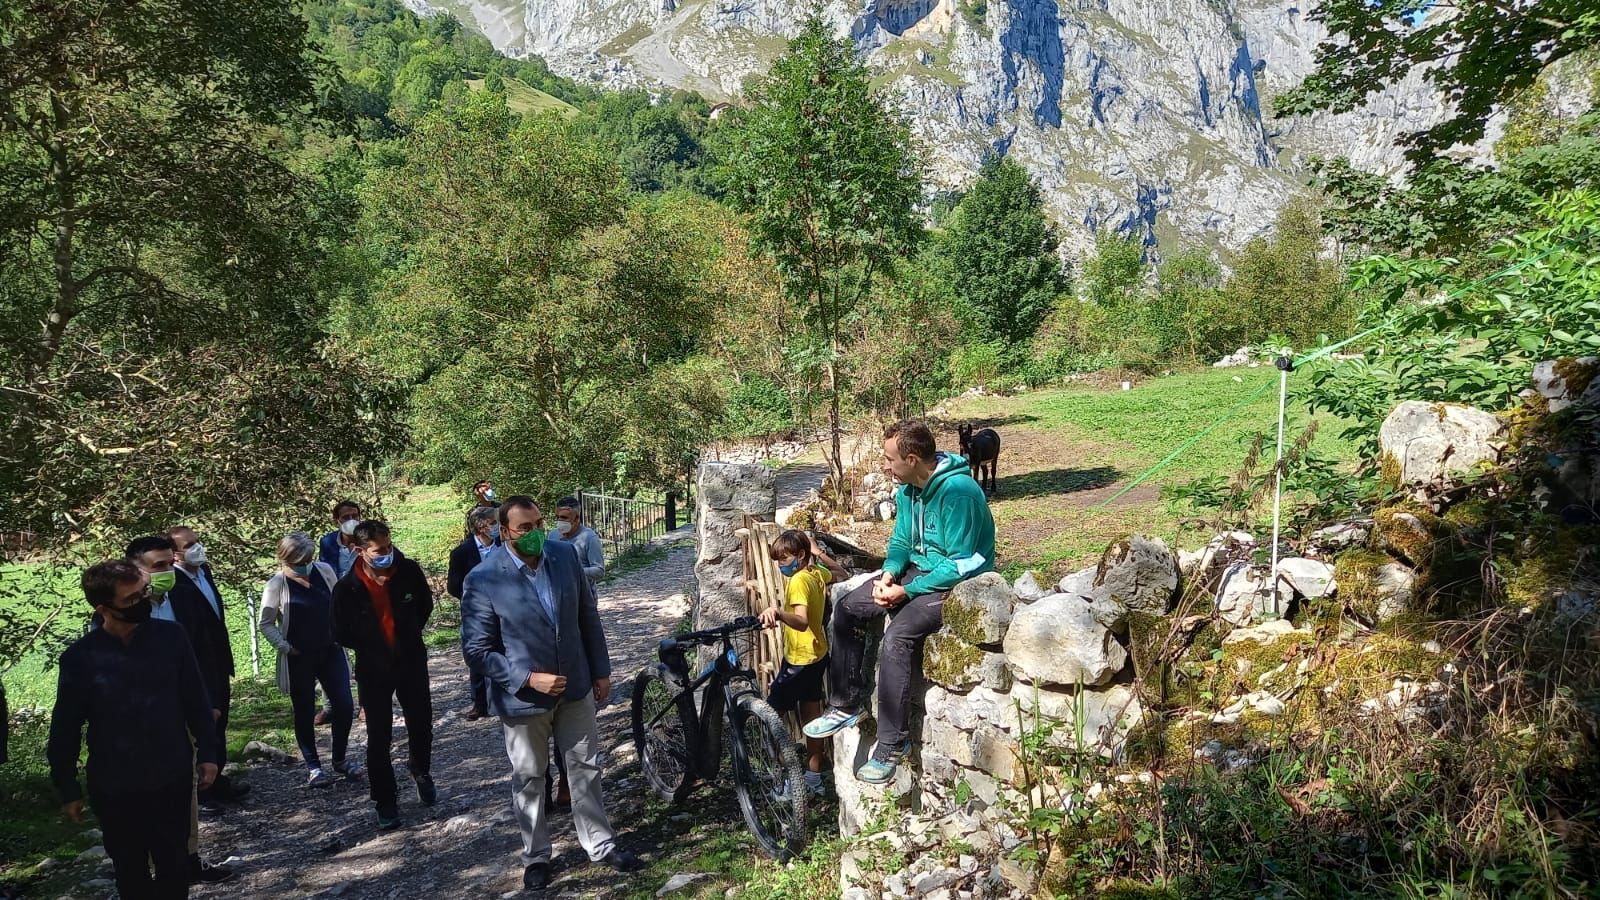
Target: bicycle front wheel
x=768 y=778
x=661 y=732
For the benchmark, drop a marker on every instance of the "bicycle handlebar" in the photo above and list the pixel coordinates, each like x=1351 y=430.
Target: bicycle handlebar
x=712 y=635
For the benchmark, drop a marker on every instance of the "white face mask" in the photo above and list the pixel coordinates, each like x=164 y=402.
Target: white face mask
x=488 y=493
x=563 y=527
x=348 y=526
x=194 y=555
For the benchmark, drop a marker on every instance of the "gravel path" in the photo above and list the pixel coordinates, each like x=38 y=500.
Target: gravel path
x=289 y=838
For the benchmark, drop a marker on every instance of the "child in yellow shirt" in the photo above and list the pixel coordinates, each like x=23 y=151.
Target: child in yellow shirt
x=798 y=684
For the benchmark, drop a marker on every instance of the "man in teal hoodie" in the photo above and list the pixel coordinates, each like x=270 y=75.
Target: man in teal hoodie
x=943 y=534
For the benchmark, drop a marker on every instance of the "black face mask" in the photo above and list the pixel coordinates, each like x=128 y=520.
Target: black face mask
x=137 y=614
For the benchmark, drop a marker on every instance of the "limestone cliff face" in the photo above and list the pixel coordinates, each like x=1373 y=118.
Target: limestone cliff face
x=1148 y=116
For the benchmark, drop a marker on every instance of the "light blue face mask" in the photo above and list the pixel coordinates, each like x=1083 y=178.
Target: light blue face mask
x=303 y=569
x=494 y=533
x=382 y=562
x=789 y=569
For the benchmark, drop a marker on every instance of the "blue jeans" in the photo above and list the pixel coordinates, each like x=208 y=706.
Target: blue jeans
x=329 y=668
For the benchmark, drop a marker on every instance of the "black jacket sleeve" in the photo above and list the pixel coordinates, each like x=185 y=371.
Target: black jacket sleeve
x=425 y=594
x=460 y=564
x=197 y=708
x=347 y=597
x=67 y=719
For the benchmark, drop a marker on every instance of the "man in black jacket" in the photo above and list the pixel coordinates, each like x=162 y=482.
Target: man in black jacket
x=483 y=536
x=379 y=611
x=136 y=685
x=197 y=602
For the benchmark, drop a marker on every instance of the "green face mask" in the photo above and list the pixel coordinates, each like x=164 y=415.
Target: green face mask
x=531 y=544
x=161 y=582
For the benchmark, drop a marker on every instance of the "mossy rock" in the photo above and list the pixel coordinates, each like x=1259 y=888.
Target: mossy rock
x=950 y=661
x=1128 y=889
x=1367 y=587
x=1577 y=373
x=1410 y=531
x=978 y=610
x=1546 y=567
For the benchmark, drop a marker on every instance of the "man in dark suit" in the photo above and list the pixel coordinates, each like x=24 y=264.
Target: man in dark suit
x=530 y=623
x=197 y=604
x=483 y=536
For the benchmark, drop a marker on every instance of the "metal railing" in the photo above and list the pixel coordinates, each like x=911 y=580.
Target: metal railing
x=625 y=523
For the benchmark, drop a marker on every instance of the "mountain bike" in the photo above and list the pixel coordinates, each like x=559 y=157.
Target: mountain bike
x=680 y=745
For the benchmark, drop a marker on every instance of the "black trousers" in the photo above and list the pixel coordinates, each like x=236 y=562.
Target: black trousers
x=139 y=828
x=899 y=656
x=380 y=685
x=221 y=701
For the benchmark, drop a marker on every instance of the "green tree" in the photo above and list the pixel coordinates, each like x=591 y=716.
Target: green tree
x=1479 y=54
x=1288 y=284
x=1187 y=314
x=830 y=180
x=1115 y=274
x=997 y=253
x=530 y=305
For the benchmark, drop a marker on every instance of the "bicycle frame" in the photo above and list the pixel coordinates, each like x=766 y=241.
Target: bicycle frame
x=717 y=680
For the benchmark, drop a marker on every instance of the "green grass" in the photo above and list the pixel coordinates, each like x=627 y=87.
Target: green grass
x=1062 y=450
x=526 y=100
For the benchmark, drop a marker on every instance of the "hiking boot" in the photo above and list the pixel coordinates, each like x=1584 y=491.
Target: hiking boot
x=388 y=817
x=426 y=792
x=830 y=722
x=885 y=759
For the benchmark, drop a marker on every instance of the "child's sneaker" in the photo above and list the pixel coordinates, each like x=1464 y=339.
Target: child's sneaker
x=830 y=722
x=349 y=769
x=885 y=759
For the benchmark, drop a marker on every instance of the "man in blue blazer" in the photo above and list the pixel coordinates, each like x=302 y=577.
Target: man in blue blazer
x=530 y=624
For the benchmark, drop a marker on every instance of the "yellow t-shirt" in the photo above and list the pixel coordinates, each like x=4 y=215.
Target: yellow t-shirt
x=809 y=588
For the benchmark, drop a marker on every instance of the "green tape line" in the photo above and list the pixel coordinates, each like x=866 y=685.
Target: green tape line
x=1189 y=443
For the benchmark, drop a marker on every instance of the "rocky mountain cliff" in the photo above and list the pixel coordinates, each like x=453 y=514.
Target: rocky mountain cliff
x=1149 y=116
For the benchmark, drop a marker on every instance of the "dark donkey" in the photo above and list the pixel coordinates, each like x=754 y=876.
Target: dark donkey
x=982 y=450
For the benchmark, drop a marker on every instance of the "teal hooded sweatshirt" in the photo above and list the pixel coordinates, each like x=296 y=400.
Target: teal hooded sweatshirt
x=944 y=528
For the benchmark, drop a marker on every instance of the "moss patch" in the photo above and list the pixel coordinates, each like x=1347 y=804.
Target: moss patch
x=1356 y=572
x=1408 y=530
x=949 y=660
x=1576 y=373
x=962 y=619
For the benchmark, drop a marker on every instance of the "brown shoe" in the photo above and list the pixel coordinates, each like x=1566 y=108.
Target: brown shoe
x=322 y=717
x=472 y=714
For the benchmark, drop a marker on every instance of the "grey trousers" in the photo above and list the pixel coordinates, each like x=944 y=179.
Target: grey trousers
x=578 y=739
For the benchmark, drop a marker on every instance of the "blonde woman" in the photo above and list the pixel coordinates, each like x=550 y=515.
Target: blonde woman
x=297 y=619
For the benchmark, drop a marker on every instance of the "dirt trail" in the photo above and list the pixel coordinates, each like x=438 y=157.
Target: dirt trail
x=325 y=842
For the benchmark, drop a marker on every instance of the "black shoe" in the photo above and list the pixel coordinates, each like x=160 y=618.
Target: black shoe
x=388 y=817
x=210 y=807
x=536 y=877
x=426 y=792
x=622 y=860
x=233 y=792
x=200 y=873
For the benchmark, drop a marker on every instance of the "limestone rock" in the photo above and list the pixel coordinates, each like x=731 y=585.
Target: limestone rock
x=679 y=882
x=261 y=750
x=1079 y=583
x=1375 y=587
x=1140 y=573
x=1058 y=641
x=1309 y=578
x=1103 y=718
x=1430 y=441
x=728 y=492
x=1340 y=537
x=952 y=662
x=978 y=610
x=1265 y=633
x=1028 y=588
x=1553 y=379
x=859 y=801
x=1245 y=595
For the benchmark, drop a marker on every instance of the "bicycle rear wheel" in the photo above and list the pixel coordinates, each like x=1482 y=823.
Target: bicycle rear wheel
x=768 y=778
x=661 y=727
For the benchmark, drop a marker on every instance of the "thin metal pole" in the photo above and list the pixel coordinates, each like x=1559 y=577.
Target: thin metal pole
x=1284 y=364
x=255 y=648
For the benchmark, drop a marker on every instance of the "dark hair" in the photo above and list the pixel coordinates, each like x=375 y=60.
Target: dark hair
x=792 y=542
x=101 y=580
x=368 y=531
x=479 y=484
x=515 y=501
x=569 y=502
x=342 y=504
x=912 y=438
x=140 y=546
